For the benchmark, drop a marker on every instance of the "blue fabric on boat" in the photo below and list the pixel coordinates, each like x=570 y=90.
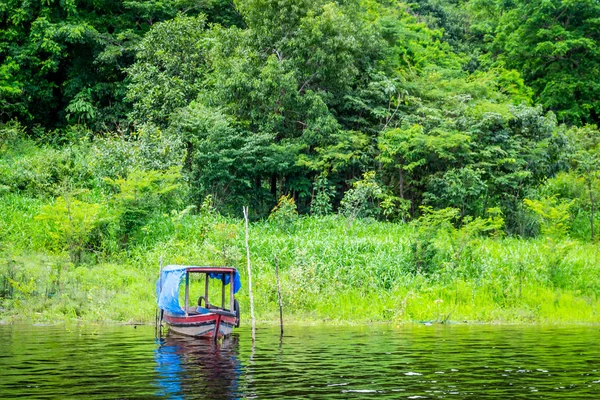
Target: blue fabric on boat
x=171 y=276
x=202 y=310
x=237 y=283
x=168 y=294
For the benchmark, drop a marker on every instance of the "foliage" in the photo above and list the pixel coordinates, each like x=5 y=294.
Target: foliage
x=586 y=164
x=81 y=107
x=63 y=61
x=439 y=247
x=168 y=70
x=463 y=188
x=44 y=171
x=478 y=274
x=554 y=44
x=141 y=194
x=223 y=159
x=69 y=222
x=285 y=212
x=553 y=215
x=321 y=203
x=362 y=200
x=265 y=104
x=9 y=134
x=428 y=227
x=169 y=116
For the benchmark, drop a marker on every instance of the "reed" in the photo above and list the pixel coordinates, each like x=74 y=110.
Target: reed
x=330 y=271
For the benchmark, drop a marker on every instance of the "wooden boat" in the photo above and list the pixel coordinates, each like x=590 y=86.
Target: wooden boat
x=204 y=320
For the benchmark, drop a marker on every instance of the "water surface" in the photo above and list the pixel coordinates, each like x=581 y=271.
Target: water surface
x=414 y=362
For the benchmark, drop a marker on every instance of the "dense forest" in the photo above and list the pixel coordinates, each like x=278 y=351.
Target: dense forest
x=142 y=127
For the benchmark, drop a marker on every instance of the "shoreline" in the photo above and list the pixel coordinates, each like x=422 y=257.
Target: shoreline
x=296 y=323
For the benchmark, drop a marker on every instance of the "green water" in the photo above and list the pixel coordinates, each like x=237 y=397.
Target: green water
x=414 y=362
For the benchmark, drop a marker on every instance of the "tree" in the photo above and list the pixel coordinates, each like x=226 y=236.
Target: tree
x=223 y=159
x=56 y=55
x=554 y=44
x=169 y=69
x=285 y=77
x=70 y=222
x=586 y=164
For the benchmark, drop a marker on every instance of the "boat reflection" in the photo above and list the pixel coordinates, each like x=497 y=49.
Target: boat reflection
x=189 y=368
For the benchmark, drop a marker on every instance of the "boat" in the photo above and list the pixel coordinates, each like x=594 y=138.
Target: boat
x=205 y=319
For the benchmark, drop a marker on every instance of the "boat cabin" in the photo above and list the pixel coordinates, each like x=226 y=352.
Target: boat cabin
x=203 y=315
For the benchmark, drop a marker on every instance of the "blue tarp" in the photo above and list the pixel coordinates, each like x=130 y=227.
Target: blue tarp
x=168 y=294
x=237 y=283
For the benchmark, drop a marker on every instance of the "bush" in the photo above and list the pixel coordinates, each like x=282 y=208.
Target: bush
x=69 y=223
x=141 y=194
x=553 y=215
x=285 y=212
x=9 y=133
x=323 y=193
x=363 y=199
x=44 y=171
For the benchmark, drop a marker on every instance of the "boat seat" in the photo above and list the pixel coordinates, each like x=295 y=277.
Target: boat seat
x=202 y=310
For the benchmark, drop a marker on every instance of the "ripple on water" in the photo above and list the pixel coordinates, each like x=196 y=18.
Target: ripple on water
x=316 y=362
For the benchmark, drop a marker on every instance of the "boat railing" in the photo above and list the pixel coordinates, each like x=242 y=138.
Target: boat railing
x=211 y=310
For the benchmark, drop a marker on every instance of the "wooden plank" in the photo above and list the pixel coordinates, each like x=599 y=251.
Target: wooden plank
x=187 y=292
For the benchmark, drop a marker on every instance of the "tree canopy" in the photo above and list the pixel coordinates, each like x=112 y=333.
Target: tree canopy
x=388 y=107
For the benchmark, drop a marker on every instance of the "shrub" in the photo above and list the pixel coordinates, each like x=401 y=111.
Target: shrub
x=9 y=133
x=323 y=193
x=553 y=215
x=285 y=212
x=141 y=194
x=69 y=223
x=363 y=199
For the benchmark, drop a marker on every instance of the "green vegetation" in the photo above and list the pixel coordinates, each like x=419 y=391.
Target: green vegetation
x=331 y=271
x=426 y=161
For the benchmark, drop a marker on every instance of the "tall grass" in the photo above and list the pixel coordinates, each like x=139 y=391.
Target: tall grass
x=331 y=270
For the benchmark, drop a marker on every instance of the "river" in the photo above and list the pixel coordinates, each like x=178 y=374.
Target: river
x=320 y=362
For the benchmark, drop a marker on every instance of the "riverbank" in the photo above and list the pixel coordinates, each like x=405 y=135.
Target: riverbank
x=333 y=270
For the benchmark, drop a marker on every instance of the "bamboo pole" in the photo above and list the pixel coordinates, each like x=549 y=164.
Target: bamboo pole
x=245 y=210
x=206 y=284
x=279 y=294
x=223 y=290
x=187 y=292
x=159 y=312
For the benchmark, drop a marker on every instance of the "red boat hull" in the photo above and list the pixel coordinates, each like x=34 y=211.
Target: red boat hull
x=201 y=325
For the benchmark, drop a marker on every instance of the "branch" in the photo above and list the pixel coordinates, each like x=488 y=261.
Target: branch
x=393 y=114
x=307 y=82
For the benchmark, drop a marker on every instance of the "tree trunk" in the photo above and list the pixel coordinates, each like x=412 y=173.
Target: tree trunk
x=189 y=156
x=401 y=182
x=274 y=186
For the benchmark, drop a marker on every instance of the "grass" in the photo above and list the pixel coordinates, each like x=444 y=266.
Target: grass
x=332 y=270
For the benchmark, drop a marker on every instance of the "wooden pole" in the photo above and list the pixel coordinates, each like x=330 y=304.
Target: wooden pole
x=206 y=291
x=159 y=312
x=187 y=292
x=223 y=291
x=279 y=294
x=231 y=295
x=245 y=210
x=160 y=273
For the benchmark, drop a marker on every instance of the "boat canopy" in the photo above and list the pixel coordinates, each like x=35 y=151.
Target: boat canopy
x=167 y=286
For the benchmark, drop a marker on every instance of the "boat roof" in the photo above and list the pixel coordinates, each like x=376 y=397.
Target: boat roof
x=201 y=269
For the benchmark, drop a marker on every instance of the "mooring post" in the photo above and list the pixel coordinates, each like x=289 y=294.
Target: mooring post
x=245 y=210
x=279 y=294
x=187 y=292
x=159 y=312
